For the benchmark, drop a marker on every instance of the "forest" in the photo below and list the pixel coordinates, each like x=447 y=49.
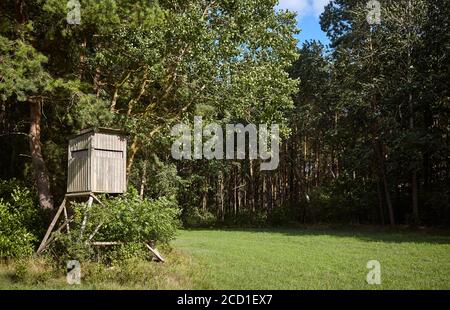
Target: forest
x=364 y=122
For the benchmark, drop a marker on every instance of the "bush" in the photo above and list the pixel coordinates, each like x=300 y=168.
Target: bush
x=283 y=215
x=436 y=207
x=343 y=201
x=197 y=218
x=127 y=219
x=249 y=218
x=33 y=271
x=20 y=220
x=15 y=240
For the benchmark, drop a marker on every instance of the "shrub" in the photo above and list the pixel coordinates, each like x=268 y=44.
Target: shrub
x=15 y=240
x=283 y=215
x=132 y=219
x=197 y=218
x=249 y=218
x=127 y=219
x=33 y=271
x=436 y=207
x=20 y=220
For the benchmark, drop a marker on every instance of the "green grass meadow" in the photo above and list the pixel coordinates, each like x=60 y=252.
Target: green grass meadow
x=308 y=258
x=316 y=259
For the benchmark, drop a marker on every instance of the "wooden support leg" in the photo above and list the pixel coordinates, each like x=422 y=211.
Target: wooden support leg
x=155 y=252
x=67 y=219
x=98 y=200
x=95 y=231
x=86 y=214
x=50 y=228
x=52 y=237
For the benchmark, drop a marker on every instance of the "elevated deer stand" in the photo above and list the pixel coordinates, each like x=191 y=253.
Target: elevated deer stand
x=96 y=165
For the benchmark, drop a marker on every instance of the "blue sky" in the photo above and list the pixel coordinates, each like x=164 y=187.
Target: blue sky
x=308 y=17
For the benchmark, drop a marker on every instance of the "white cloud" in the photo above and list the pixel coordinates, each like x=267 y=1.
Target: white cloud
x=304 y=7
x=294 y=5
x=318 y=6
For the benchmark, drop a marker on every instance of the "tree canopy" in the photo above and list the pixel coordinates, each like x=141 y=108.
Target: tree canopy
x=365 y=127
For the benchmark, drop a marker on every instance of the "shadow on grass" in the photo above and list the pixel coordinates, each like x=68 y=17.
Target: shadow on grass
x=365 y=233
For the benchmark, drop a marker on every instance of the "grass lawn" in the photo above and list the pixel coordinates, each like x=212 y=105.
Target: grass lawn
x=308 y=258
x=316 y=259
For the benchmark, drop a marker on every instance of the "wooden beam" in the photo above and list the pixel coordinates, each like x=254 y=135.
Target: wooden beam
x=52 y=237
x=79 y=194
x=155 y=252
x=98 y=200
x=86 y=214
x=105 y=243
x=95 y=231
x=50 y=228
x=67 y=219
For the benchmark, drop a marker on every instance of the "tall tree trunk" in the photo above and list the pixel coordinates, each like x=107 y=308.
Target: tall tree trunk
x=415 y=200
x=221 y=196
x=378 y=145
x=251 y=182
x=380 y=202
x=82 y=60
x=143 y=179
x=263 y=192
x=205 y=195
x=20 y=16
x=383 y=179
x=132 y=153
x=414 y=187
x=39 y=166
x=235 y=172
x=2 y=116
x=426 y=153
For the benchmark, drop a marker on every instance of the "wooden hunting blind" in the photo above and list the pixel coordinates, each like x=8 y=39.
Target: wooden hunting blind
x=97 y=162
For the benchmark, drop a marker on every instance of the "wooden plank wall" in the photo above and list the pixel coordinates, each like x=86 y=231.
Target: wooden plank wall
x=78 y=173
x=97 y=163
x=108 y=164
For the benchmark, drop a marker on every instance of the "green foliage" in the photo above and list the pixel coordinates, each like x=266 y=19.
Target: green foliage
x=137 y=273
x=20 y=220
x=283 y=216
x=247 y=218
x=70 y=247
x=22 y=72
x=134 y=273
x=436 y=206
x=127 y=219
x=35 y=271
x=15 y=240
x=132 y=219
x=144 y=65
x=160 y=179
x=90 y=111
x=196 y=217
x=125 y=252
